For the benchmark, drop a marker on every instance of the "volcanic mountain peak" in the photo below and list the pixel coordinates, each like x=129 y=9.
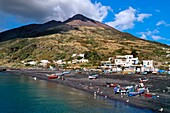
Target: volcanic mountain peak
x=79 y=17
x=81 y=20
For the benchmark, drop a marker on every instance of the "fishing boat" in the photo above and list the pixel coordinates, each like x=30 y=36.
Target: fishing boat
x=35 y=78
x=52 y=77
x=93 y=76
x=130 y=94
x=116 y=90
x=149 y=95
x=108 y=84
x=143 y=80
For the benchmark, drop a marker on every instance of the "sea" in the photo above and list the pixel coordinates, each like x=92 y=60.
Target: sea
x=23 y=94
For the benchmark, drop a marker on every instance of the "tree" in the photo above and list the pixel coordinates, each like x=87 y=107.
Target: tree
x=134 y=53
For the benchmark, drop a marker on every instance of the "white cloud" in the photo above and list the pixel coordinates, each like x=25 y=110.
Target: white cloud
x=143 y=36
x=148 y=33
x=162 y=23
x=41 y=10
x=142 y=16
x=154 y=37
x=125 y=19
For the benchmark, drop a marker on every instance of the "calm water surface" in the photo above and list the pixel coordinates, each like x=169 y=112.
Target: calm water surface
x=22 y=94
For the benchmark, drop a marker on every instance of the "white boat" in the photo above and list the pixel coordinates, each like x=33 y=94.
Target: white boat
x=94 y=76
x=35 y=78
x=143 y=80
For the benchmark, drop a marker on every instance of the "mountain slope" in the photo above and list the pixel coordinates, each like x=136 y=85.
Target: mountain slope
x=79 y=34
x=34 y=30
x=52 y=27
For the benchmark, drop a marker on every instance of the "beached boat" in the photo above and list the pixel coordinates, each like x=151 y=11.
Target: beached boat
x=93 y=76
x=168 y=89
x=108 y=84
x=66 y=72
x=117 y=89
x=62 y=74
x=143 y=80
x=52 y=77
x=130 y=94
x=122 y=90
x=35 y=78
x=149 y=95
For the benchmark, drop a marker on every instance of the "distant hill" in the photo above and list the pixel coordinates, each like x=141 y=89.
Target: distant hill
x=56 y=40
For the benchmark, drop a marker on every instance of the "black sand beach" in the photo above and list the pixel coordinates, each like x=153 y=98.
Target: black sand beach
x=157 y=85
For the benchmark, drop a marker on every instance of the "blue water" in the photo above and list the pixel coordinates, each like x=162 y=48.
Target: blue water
x=22 y=94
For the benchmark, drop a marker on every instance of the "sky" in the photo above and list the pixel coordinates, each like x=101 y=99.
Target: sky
x=146 y=19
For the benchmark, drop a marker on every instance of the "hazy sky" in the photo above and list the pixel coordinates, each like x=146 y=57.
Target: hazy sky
x=147 y=19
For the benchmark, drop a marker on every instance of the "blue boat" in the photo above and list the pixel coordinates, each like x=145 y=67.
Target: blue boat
x=117 y=90
x=130 y=94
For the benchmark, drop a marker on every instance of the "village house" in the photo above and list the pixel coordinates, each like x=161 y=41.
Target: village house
x=33 y=63
x=107 y=66
x=126 y=61
x=129 y=64
x=44 y=63
x=59 y=62
x=147 y=66
x=80 y=61
x=79 y=58
x=78 y=55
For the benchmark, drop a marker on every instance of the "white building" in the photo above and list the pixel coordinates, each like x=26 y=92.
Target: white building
x=78 y=55
x=105 y=64
x=74 y=55
x=44 y=63
x=32 y=63
x=80 y=61
x=147 y=65
x=81 y=55
x=126 y=61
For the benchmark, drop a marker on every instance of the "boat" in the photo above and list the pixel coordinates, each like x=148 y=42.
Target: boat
x=52 y=77
x=116 y=90
x=108 y=84
x=35 y=78
x=143 y=80
x=141 y=89
x=62 y=74
x=130 y=88
x=130 y=94
x=149 y=95
x=66 y=72
x=93 y=76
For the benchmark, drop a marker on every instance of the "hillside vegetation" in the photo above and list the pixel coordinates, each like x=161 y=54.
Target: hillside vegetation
x=97 y=42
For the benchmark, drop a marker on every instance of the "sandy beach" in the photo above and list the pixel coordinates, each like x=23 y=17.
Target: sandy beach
x=157 y=85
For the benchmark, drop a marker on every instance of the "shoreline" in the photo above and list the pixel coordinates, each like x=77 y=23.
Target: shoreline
x=81 y=82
